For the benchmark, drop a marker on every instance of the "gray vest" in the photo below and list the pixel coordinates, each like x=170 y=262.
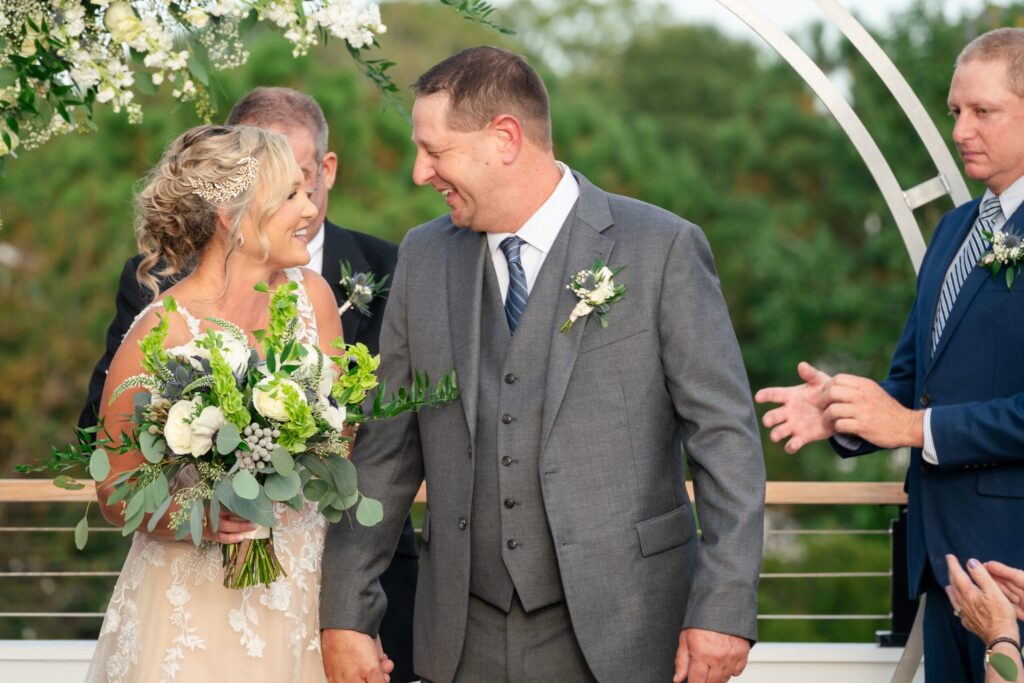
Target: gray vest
x=511 y=546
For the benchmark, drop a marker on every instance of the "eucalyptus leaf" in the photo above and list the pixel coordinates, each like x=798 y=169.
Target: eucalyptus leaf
x=131 y=523
x=119 y=493
x=343 y=472
x=245 y=485
x=99 y=465
x=214 y=514
x=282 y=459
x=158 y=514
x=228 y=438
x=136 y=504
x=315 y=489
x=315 y=465
x=63 y=481
x=196 y=520
x=348 y=501
x=369 y=512
x=161 y=489
x=82 y=532
x=153 y=447
x=332 y=514
x=259 y=510
x=282 y=487
x=296 y=503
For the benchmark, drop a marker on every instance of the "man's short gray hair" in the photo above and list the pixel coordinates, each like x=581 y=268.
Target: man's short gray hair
x=1004 y=45
x=282 y=107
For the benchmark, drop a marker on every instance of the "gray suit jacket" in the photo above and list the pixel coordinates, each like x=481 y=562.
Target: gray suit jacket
x=618 y=402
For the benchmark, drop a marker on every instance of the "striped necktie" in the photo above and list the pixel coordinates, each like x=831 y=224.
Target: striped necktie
x=963 y=264
x=515 y=300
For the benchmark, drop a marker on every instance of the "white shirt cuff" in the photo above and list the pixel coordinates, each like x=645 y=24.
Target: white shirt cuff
x=848 y=441
x=928 y=452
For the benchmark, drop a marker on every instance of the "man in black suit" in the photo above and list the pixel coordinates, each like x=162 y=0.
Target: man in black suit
x=299 y=118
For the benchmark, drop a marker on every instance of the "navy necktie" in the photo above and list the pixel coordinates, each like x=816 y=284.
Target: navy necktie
x=515 y=300
x=963 y=264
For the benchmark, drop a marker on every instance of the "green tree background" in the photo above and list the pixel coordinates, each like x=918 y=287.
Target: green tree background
x=712 y=127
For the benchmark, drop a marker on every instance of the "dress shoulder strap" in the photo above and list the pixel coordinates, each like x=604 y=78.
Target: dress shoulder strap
x=190 y=320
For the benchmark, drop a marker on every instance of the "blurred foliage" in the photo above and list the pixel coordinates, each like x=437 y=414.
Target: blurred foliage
x=713 y=128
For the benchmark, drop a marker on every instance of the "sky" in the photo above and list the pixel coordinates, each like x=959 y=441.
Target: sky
x=795 y=14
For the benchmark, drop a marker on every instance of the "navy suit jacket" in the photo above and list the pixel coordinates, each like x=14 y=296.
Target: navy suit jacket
x=972 y=501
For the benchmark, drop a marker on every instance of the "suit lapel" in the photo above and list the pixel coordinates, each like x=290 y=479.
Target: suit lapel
x=586 y=245
x=338 y=246
x=972 y=285
x=467 y=252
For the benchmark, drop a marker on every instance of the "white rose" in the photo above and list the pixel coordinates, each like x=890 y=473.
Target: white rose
x=197 y=17
x=122 y=23
x=604 y=274
x=189 y=351
x=601 y=293
x=203 y=429
x=178 y=431
x=236 y=354
x=269 y=400
x=333 y=416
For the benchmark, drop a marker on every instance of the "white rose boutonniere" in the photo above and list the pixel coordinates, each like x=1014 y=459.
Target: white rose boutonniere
x=1006 y=252
x=597 y=291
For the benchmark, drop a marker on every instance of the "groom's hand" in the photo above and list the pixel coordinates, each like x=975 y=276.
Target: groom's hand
x=709 y=656
x=354 y=657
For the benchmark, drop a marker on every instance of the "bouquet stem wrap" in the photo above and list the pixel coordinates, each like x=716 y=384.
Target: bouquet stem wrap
x=252 y=561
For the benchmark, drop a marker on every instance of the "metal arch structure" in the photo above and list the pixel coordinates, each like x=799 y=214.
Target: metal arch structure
x=901 y=202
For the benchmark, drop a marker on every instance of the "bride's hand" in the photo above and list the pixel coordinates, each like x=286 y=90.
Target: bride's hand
x=354 y=657
x=230 y=528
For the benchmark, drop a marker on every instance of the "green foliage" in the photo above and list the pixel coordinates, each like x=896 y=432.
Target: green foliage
x=229 y=398
x=300 y=425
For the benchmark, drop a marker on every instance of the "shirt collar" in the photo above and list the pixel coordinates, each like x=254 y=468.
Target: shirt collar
x=317 y=243
x=541 y=229
x=1010 y=199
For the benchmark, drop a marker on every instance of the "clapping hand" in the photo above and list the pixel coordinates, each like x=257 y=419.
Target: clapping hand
x=801 y=417
x=979 y=602
x=1011 y=582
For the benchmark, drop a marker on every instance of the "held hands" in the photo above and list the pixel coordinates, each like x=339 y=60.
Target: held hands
x=980 y=602
x=354 y=657
x=709 y=656
x=1011 y=582
x=845 y=404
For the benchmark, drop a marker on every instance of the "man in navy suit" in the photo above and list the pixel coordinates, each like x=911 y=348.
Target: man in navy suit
x=299 y=118
x=955 y=390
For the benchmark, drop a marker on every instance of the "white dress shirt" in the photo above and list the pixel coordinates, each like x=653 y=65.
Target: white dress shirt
x=316 y=251
x=1009 y=201
x=538 y=232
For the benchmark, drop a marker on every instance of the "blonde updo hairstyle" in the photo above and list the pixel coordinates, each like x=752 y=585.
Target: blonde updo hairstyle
x=174 y=224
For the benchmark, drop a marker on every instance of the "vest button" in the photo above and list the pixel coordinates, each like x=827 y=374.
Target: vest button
x=506 y=418
x=509 y=503
x=463 y=523
x=506 y=460
x=511 y=544
x=510 y=378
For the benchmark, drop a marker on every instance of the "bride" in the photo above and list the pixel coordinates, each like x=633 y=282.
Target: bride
x=229 y=200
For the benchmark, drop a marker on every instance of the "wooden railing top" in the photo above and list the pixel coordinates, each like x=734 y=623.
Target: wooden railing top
x=778 y=492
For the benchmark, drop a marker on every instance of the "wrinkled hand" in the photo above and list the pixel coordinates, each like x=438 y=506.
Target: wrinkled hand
x=801 y=417
x=984 y=610
x=230 y=528
x=354 y=657
x=709 y=656
x=861 y=407
x=1011 y=582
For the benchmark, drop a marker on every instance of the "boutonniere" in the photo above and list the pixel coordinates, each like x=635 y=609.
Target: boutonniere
x=597 y=291
x=1007 y=252
x=360 y=289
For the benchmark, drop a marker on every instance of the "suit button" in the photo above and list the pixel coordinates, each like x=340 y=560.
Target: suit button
x=926 y=400
x=506 y=461
x=510 y=378
x=463 y=523
x=511 y=544
x=469 y=451
x=509 y=503
x=506 y=418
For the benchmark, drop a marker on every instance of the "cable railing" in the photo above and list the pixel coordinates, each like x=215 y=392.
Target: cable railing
x=20 y=492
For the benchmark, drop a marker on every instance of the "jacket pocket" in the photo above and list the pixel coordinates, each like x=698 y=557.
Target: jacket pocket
x=1002 y=482
x=666 y=531
x=425 y=531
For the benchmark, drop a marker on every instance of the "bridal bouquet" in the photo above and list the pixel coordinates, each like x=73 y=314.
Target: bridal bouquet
x=254 y=431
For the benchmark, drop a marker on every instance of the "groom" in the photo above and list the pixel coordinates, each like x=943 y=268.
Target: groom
x=299 y=118
x=559 y=540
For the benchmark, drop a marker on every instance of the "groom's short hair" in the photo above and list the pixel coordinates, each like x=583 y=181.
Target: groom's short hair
x=283 y=107
x=1000 y=45
x=485 y=82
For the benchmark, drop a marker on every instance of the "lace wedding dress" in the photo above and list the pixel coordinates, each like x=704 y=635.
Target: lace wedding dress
x=171 y=619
